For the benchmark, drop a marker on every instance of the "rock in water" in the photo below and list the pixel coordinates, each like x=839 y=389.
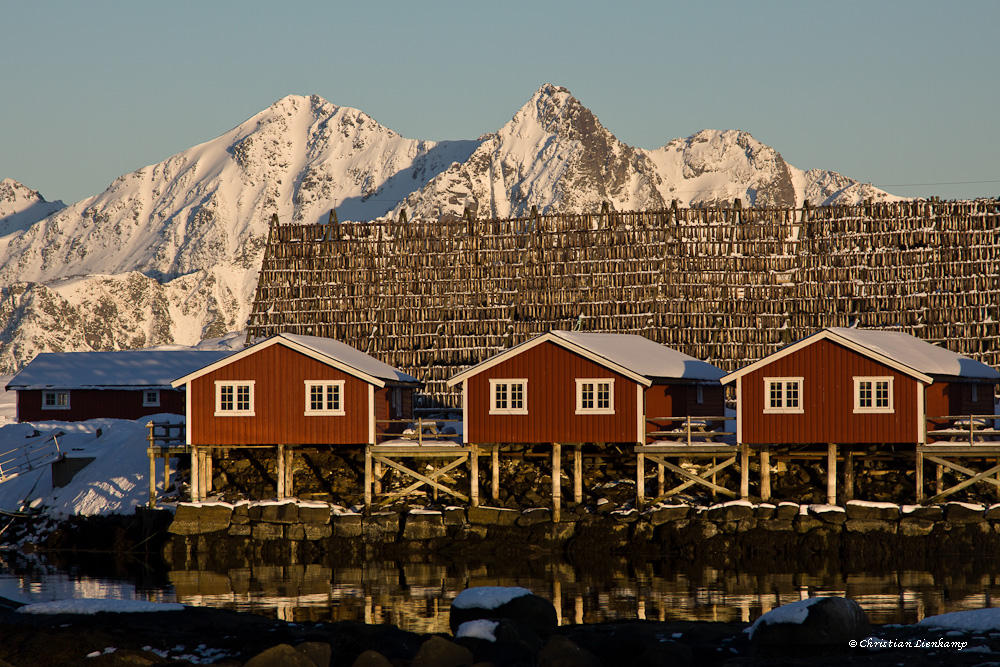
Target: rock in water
x=497 y=603
x=825 y=624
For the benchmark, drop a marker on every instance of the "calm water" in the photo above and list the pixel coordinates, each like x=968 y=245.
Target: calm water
x=416 y=596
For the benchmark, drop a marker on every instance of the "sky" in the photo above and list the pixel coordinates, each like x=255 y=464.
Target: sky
x=899 y=93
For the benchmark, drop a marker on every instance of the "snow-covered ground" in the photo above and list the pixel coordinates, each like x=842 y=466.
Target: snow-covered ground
x=116 y=482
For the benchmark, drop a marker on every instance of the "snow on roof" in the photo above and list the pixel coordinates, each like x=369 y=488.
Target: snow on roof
x=347 y=355
x=107 y=370
x=630 y=354
x=643 y=356
x=916 y=354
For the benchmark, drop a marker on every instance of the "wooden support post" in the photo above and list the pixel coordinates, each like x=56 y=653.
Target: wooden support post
x=556 y=482
x=661 y=479
x=195 y=474
x=281 y=472
x=831 y=473
x=920 y=475
x=849 y=475
x=152 y=479
x=166 y=471
x=744 y=470
x=377 y=476
x=474 y=475
x=495 y=482
x=289 y=472
x=640 y=480
x=765 y=473
x=368 y=478
x=207 y=475
x=578 y=474
x=939 y=480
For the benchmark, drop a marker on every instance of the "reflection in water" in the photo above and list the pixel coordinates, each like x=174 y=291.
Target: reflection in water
x=417 y=596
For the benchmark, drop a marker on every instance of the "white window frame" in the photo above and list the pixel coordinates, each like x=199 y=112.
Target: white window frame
x=146 y=393
x=56 y=405
x=873 y=408
x=325 y=385
x=235 y=412
x=507 y=383
x=784 y=408
x=595 y=410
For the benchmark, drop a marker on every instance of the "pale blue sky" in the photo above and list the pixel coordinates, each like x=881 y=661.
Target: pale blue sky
x=897 y=93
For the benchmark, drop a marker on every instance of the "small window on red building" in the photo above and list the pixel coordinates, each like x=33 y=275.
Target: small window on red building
x=55 y=400
x=783 y=395
x=873 y=394
x=509 y=397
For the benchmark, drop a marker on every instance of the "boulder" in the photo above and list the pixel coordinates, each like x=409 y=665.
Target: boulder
x=424 y=526
x=534 y=515
x=814 y=623
x=346 y=525
x=499 y=602
x=440 y=652
x=733 y=510
x=371 y=659
x=563 y=652
x=964 y=513
x=786 y=511
x=871 y=526
x=929 y=513
x=281 y=655
x=382 y=527
x=859 y=509
x=667 y=513
x=493 y=516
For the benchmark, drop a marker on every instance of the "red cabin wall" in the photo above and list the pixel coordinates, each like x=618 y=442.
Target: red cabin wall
x=279 y=374
x=681 y=400
x=551 y=372
x=828 y=369
x=97 y=403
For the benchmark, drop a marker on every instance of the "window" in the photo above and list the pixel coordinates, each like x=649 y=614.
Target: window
x=55 y=400
x=595 y=396
x=783 y=395
x=325 y=397
x=234 y=399
x=151 y=398
x=974 y=394
x=700 y=393
x=873 y=394
x=509 y=397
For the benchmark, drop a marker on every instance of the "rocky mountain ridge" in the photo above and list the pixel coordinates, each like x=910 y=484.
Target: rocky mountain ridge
x=169 y=253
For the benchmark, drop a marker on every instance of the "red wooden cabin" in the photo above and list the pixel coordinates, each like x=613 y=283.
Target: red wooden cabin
x=295 y=390
x=851 y=386
x=574 y=387
x=125 y=384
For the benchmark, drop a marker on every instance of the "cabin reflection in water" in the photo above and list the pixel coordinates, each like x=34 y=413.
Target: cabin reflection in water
x=417 y=596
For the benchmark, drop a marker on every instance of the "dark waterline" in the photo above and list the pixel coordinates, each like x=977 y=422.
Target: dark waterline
x=416 y=596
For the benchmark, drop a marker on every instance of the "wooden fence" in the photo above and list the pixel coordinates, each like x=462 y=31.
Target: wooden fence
x=727 y=285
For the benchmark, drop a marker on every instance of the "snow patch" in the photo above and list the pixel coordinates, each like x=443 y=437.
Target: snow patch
x=478 y=629
x=792 y=613
x=973 y=620
x=488 y=597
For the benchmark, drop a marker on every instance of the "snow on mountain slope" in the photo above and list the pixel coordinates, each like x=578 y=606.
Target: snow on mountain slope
x=170 y=252
x=21 y=207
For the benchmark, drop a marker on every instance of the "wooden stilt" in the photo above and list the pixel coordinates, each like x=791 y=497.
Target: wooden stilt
x=849 y=475
x=207 y=476
x=578 y=474
x=495 y=482
x=474 y=476
x=166 y=472
x=556 y=482
x=281 y=472
x=368 y=478
x=377 y=476
x=744 y=470
x=640 y=481
x=152 y=480
x=831 y=473
x=919 y=475
x=765 y=473
x=939 y=479
x=195 y=474
x=661 y=479
x=289 y=473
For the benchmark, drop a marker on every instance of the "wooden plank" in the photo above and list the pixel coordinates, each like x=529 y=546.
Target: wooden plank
x=422 y=479
x=696 y=479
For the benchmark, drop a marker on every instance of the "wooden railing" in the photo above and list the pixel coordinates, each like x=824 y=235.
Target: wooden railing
x=691 y=430
x=432 y=430
x=964 y=429
x=163 y=443
x=37 y=452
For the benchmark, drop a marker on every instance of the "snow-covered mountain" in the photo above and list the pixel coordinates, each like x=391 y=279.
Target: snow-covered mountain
x=170 y=253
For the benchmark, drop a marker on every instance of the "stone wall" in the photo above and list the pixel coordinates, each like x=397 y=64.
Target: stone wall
x=209 y=536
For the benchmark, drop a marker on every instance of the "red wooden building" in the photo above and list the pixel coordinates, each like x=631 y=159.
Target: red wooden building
x=851 y=386
x=573 y=387
x=295 y=390
x=126 y=384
